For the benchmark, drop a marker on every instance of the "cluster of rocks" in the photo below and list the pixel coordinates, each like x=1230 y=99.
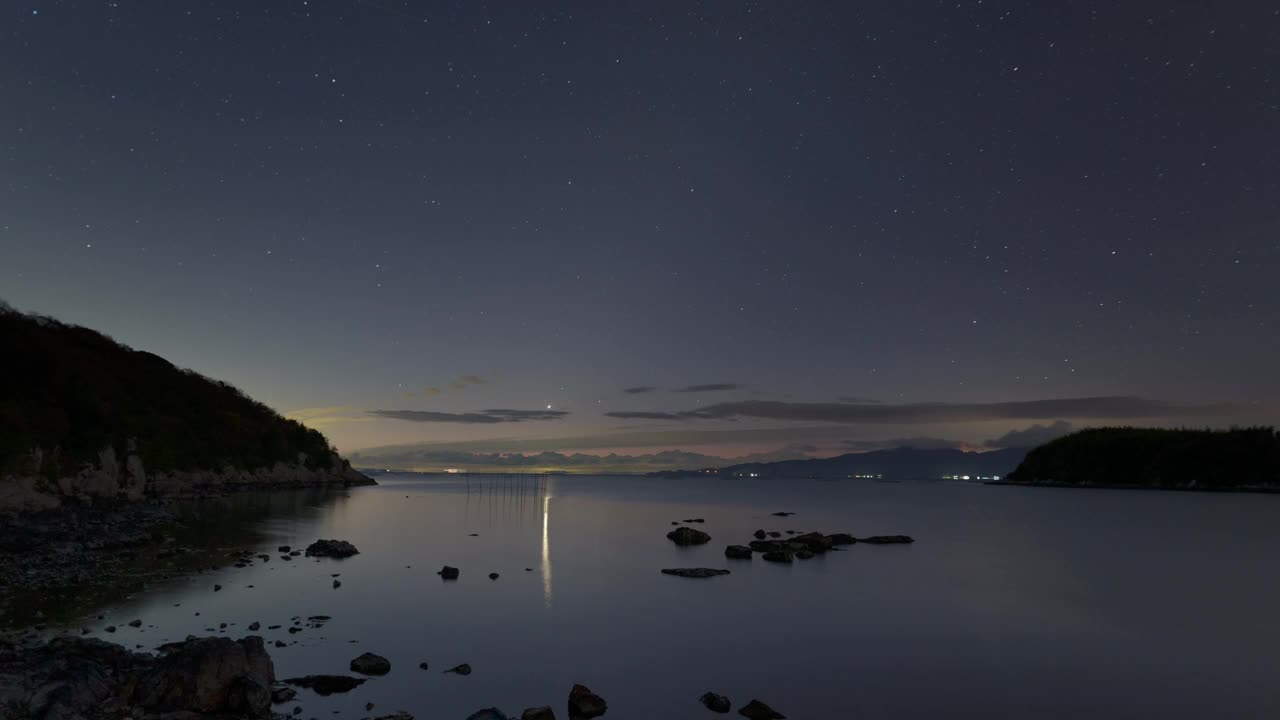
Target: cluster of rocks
x=755 y=710
x=96 y=680
x=803 y=546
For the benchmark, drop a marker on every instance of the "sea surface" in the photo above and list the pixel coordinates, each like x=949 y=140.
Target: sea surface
x=1012 y=603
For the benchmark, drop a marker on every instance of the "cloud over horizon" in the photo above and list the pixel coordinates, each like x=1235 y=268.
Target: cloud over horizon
x=710 y=387
x=1102 y=407
x=483 y=417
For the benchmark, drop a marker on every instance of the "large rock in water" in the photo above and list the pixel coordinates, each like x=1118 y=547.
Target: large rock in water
x=814 y=542
x=370 y=664
x=209 y=675
x=756 y=710
x=688 y=536
x=331 y=548
x=694 y=572
x=716 y=703
x=738 y=552
x=584 y=704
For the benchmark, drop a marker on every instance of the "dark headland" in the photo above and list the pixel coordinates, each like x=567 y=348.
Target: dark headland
x=1241 y=460
x=97 y=440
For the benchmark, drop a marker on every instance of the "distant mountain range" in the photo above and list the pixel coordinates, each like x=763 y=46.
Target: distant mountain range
x=904 y=463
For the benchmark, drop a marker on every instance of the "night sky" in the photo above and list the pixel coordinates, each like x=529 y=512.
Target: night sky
x=726 y=228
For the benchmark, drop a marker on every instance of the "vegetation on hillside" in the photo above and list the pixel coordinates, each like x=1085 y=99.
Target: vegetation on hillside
x=71 y=392
x=1152 y=457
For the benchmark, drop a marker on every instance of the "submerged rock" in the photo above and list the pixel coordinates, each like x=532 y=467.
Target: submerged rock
x=805 y=554
x=759 y=534
x=448 y=573
x=716 y=703
x=463 y=669
x=778 y=556
x=327 y=684
x=331 y=548
x=783 y=513
x=370 y=664
x=401 y=715
x=738 y=552
x=584 y=704
x=694 y=572
x=887 y=539
x=493 y=576
x=688 y=536
x=756 y=710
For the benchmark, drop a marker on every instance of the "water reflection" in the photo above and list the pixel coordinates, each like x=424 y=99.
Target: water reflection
x=546 y=550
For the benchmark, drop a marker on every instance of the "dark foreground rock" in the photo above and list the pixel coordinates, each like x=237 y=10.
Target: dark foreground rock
x=716 y=703
x=584 y=704
x=370 y=664
x=538 y=713
x=332 y=549
x=327 y=684
x=738 y=552
x=688 y=536
x=694 y=572
x=84 y=678
x=488 y=714
x=756 y=710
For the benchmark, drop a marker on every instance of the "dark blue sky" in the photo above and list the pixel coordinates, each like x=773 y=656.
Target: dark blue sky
x=344 y=206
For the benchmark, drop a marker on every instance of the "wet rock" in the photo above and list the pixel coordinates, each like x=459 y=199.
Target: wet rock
x=759 y=534
x=327 y=684
x=370 y=664
x=332 y=549
x=775 y=534
x=842 y=539
x=716 y=703
x=281 y=643
x=738 y=552
x=488 y=714
x=493 y=576
x=694 y=572
x=766 y=545
x=584 y=704
x=448 y=573
x=282 y=695
x=111 y=628
x=698 y=520
x=887 y=539
x=424 y=665
x=538 y=713
x=285 y=557
x=135 y=623
x=401 y=715
x=778 y=556
x=688 y=536
x=756 y=710
x=337 y=584
x=216 y=588
x=254 y=626
x=805 y=554
x=783 y=513
x=368 y=706
x=463 y=669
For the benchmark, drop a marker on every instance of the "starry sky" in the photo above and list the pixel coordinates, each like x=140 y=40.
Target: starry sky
x=731 y=229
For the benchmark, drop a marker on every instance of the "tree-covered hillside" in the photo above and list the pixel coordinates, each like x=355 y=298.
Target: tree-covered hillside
x=1153 y=457
x=71 y=392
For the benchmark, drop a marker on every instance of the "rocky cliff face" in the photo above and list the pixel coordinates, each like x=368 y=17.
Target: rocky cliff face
x=112 y=480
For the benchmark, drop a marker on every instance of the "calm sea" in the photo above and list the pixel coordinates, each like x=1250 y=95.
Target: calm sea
x=1012 y=602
